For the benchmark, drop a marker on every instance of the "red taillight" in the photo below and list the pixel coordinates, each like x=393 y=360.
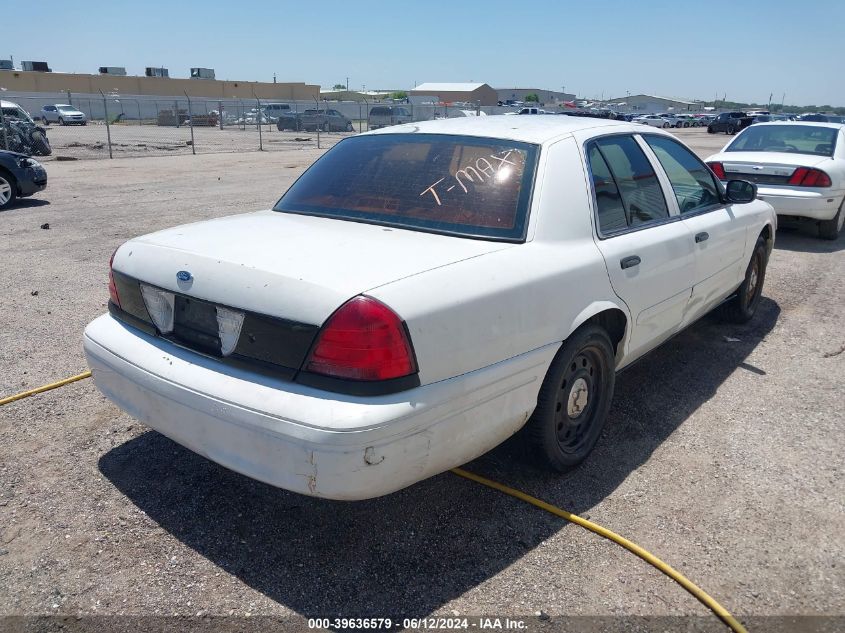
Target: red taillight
x=718 y=169
x=362 y=340
x=115 y=299
x=808 y=177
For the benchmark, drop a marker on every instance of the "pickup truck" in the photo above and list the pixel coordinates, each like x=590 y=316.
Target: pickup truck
x=729 y=122
x=530 y=110
x=311 y=120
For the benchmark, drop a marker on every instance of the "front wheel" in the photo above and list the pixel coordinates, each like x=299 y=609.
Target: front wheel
x=8 y=190
x=731 y=131
x=710 y=130
x=741 y=307
x=574 y=400
x=61 y=121
x=665 y=125
x=830 y=229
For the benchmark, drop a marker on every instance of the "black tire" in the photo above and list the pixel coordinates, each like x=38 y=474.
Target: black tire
x=741 y=307
x=41 y=145
x=7 y=180
x=830 y=229
x=730 y=131
x=350 y=127
x=61 y=121
x=582 y=368
x=710 y=130
x=44 y=120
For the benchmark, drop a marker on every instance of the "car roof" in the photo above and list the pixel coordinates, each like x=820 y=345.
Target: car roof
x=537 y=129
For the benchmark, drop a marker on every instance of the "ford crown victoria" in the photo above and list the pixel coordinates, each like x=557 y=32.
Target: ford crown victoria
x=423 y=292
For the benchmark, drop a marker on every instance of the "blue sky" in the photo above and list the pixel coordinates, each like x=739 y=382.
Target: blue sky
x=682 y=49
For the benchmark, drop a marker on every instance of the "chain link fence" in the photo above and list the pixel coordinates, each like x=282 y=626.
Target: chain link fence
x=113 y=126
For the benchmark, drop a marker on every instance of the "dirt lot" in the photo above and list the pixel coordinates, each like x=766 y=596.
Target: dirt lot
x=722 y=454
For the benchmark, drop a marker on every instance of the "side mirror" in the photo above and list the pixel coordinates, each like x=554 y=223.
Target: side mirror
x=741 y=191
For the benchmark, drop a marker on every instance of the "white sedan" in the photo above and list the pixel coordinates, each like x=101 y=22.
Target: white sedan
x=653 y=120
x=423 y=292
x=799 y=167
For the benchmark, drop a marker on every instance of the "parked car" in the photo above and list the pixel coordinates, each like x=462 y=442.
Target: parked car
x=382 y=116
x=530 y=110
x=674 y=120
x=273 y=111
x=688 y=120
x=799 y=167
x=314 y=119
x=415 y=297
x=20 y=177
x=654 y=120
x=729 y=123
x=19 y=133
x=63 y=114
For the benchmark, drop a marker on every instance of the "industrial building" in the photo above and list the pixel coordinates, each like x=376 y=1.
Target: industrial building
x=545 y=96
x=33 y=82
x=474 y=93
x=652 y=104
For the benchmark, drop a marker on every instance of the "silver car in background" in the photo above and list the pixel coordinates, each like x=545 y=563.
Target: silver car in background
x=63 y=114
x=382 y=116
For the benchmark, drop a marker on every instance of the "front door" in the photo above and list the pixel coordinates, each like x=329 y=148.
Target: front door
x=718 y=233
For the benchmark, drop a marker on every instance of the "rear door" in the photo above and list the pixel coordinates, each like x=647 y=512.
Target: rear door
x=719 y=231
x=648 y=252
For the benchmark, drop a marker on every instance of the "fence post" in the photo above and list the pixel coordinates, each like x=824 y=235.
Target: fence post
x=69 y=100
x=191 y=122
x=258 y=119
x=360 y=121
x=367 y=110
x=318 y=126
x=220 y=114
x=5 y=132
x=106 y=117
x=138 y=103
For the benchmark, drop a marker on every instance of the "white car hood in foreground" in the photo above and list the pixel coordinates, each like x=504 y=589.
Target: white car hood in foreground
x=291 y=266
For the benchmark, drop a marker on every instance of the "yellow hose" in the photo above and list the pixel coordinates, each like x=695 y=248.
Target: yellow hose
x=648 y=557
x=52 y=385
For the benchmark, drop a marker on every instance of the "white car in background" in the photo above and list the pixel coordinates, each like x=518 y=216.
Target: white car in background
x=798 y=166
x=653 y=120
x=421 y=293
x=63 y=114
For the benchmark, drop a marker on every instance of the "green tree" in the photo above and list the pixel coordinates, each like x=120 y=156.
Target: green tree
x=532 y=98
x=399 y=95
x=339 y=87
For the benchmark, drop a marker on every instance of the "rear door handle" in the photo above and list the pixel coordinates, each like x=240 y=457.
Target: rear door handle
x=702 y=237
x=630 y=262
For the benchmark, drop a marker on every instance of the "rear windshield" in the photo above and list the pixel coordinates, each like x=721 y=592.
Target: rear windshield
x=380 y=110
x=792 y=139
x=461 y=185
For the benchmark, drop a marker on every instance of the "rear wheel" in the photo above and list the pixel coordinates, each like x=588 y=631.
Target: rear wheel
x=731 y=130
x=830 y=229
x=741 y=307
x=574 y=400
x=8 y=189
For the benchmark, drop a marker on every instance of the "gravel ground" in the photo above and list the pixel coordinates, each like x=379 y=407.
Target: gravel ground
x=722 y=455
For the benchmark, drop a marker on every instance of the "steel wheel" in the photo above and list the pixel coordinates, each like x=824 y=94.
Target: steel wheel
x=574 y=400
x=575 y=407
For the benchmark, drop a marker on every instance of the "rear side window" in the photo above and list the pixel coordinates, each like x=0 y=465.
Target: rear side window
x=635 y=179
x=379 y=111
x=611 y=211
x=471 y=186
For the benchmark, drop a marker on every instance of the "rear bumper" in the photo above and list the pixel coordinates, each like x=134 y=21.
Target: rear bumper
x=303 y=439
x=816 y=205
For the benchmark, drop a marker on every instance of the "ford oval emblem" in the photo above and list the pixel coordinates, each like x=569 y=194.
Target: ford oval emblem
x=184 y=275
